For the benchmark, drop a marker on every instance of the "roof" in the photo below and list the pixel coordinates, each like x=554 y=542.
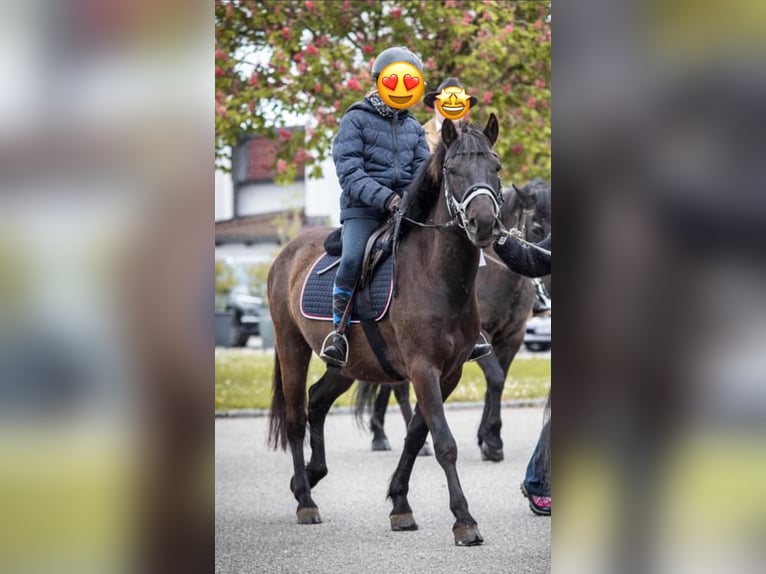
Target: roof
x=261 y=228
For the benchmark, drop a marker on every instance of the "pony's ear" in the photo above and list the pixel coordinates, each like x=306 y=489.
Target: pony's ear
x=526 y=196
x=491 y=130
x=449 y=133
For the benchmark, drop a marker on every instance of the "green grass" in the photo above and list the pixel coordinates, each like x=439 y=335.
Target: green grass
x=243 y=380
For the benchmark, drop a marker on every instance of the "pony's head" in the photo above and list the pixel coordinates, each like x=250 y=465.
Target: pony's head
x=471 y=179
x=528 y=209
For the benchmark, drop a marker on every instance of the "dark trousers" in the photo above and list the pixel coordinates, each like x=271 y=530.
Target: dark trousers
x=536 y=479
x=354 y=235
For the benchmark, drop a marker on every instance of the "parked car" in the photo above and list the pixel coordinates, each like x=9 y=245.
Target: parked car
x=248 y=311
x=538 y=335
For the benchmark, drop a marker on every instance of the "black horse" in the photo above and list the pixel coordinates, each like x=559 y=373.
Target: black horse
x=429 y=333
x=505 y=302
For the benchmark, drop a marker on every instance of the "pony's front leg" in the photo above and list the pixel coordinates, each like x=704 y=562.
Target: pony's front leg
x=490 y=441
x=431 y=398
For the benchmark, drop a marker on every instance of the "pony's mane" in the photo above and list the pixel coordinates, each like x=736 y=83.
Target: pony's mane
x=421 y=195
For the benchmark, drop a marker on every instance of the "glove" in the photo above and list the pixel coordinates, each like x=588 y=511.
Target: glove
x=393 y=204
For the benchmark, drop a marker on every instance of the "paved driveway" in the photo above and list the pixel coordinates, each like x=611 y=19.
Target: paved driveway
x=256 y=529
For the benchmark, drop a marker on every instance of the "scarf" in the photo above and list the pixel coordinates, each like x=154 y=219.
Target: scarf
x=380 y=106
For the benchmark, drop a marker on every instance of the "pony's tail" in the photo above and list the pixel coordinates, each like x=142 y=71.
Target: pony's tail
x=364 y=401
x=278 y=414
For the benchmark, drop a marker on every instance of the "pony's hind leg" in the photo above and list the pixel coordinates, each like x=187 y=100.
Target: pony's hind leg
x=379 y=438
x=401 y=514
x=322 y=395
x=294 y=356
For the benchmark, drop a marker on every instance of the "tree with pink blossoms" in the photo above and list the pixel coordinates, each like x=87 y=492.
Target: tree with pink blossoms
x=278 y=62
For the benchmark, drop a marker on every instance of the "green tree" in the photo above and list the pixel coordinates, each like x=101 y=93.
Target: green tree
x=285 y=58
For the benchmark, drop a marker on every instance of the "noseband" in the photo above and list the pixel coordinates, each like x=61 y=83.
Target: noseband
x=457 y=209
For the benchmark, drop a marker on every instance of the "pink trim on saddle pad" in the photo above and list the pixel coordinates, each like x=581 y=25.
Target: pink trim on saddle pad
x=329 y=317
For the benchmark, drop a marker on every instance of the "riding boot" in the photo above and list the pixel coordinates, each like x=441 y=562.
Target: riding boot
x=542 y=304
x=481 y=349
x=335 y=347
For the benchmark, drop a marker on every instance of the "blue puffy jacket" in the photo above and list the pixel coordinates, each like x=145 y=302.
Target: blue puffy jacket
x=375 y=157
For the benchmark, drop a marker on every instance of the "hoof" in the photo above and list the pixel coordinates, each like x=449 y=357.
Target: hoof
x=403 y=522
x=309 y=516
x=467 y=536
x=380 y=444
x=426 y=450
x=491 y=454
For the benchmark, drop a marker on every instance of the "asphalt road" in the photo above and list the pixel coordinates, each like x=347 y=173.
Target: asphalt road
x=256 y=528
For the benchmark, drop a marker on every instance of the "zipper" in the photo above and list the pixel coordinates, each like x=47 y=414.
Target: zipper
x=396 y=154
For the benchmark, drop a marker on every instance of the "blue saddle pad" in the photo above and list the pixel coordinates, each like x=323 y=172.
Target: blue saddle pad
x=316 y=297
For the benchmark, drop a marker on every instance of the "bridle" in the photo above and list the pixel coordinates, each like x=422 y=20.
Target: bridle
x=457 y=208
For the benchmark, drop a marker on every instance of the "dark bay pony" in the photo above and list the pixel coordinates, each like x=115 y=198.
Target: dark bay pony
x=430 y=329
x=505 y=301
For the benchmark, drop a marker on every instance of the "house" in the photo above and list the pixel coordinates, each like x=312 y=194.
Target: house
x=254 y=216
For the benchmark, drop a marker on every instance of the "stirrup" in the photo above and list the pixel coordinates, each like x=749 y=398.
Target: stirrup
x=480 y=350
x=330 y=360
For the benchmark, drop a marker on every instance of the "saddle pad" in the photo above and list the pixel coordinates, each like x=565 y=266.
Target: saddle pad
x=316 y=296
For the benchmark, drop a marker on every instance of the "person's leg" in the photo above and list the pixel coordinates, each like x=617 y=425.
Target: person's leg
x=356 y=232
x=536 y=486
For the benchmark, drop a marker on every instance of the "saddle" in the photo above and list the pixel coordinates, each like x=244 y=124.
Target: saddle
x=378 y=249
x=374 y=290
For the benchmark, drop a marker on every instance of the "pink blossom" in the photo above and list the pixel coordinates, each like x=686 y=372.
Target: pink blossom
x=298 y=57
x=508 y=29
x=254 y=79
x=538 y=25
x=540 y=83
x=450 y=4
x=286 y=33
x=311 y=49
x=317 y=88
x=220 y=110
x=456 y=44
x=346 y=6
x=531 y=101
x=284 y=134
x=367 y=49
x=281 y=166
x=517 y=149
x=544 y=104
x=507 y=88
x=396 y=12
x=353 y=84
x=309 y=5
x=487 y=97
x=487 y=16
x=467 y=17
x=218 y=72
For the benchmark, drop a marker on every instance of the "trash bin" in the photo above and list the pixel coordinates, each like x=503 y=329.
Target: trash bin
x=225 y=330
x=266 y=329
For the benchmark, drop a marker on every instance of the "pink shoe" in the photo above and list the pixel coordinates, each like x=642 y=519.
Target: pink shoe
x=540 y=505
